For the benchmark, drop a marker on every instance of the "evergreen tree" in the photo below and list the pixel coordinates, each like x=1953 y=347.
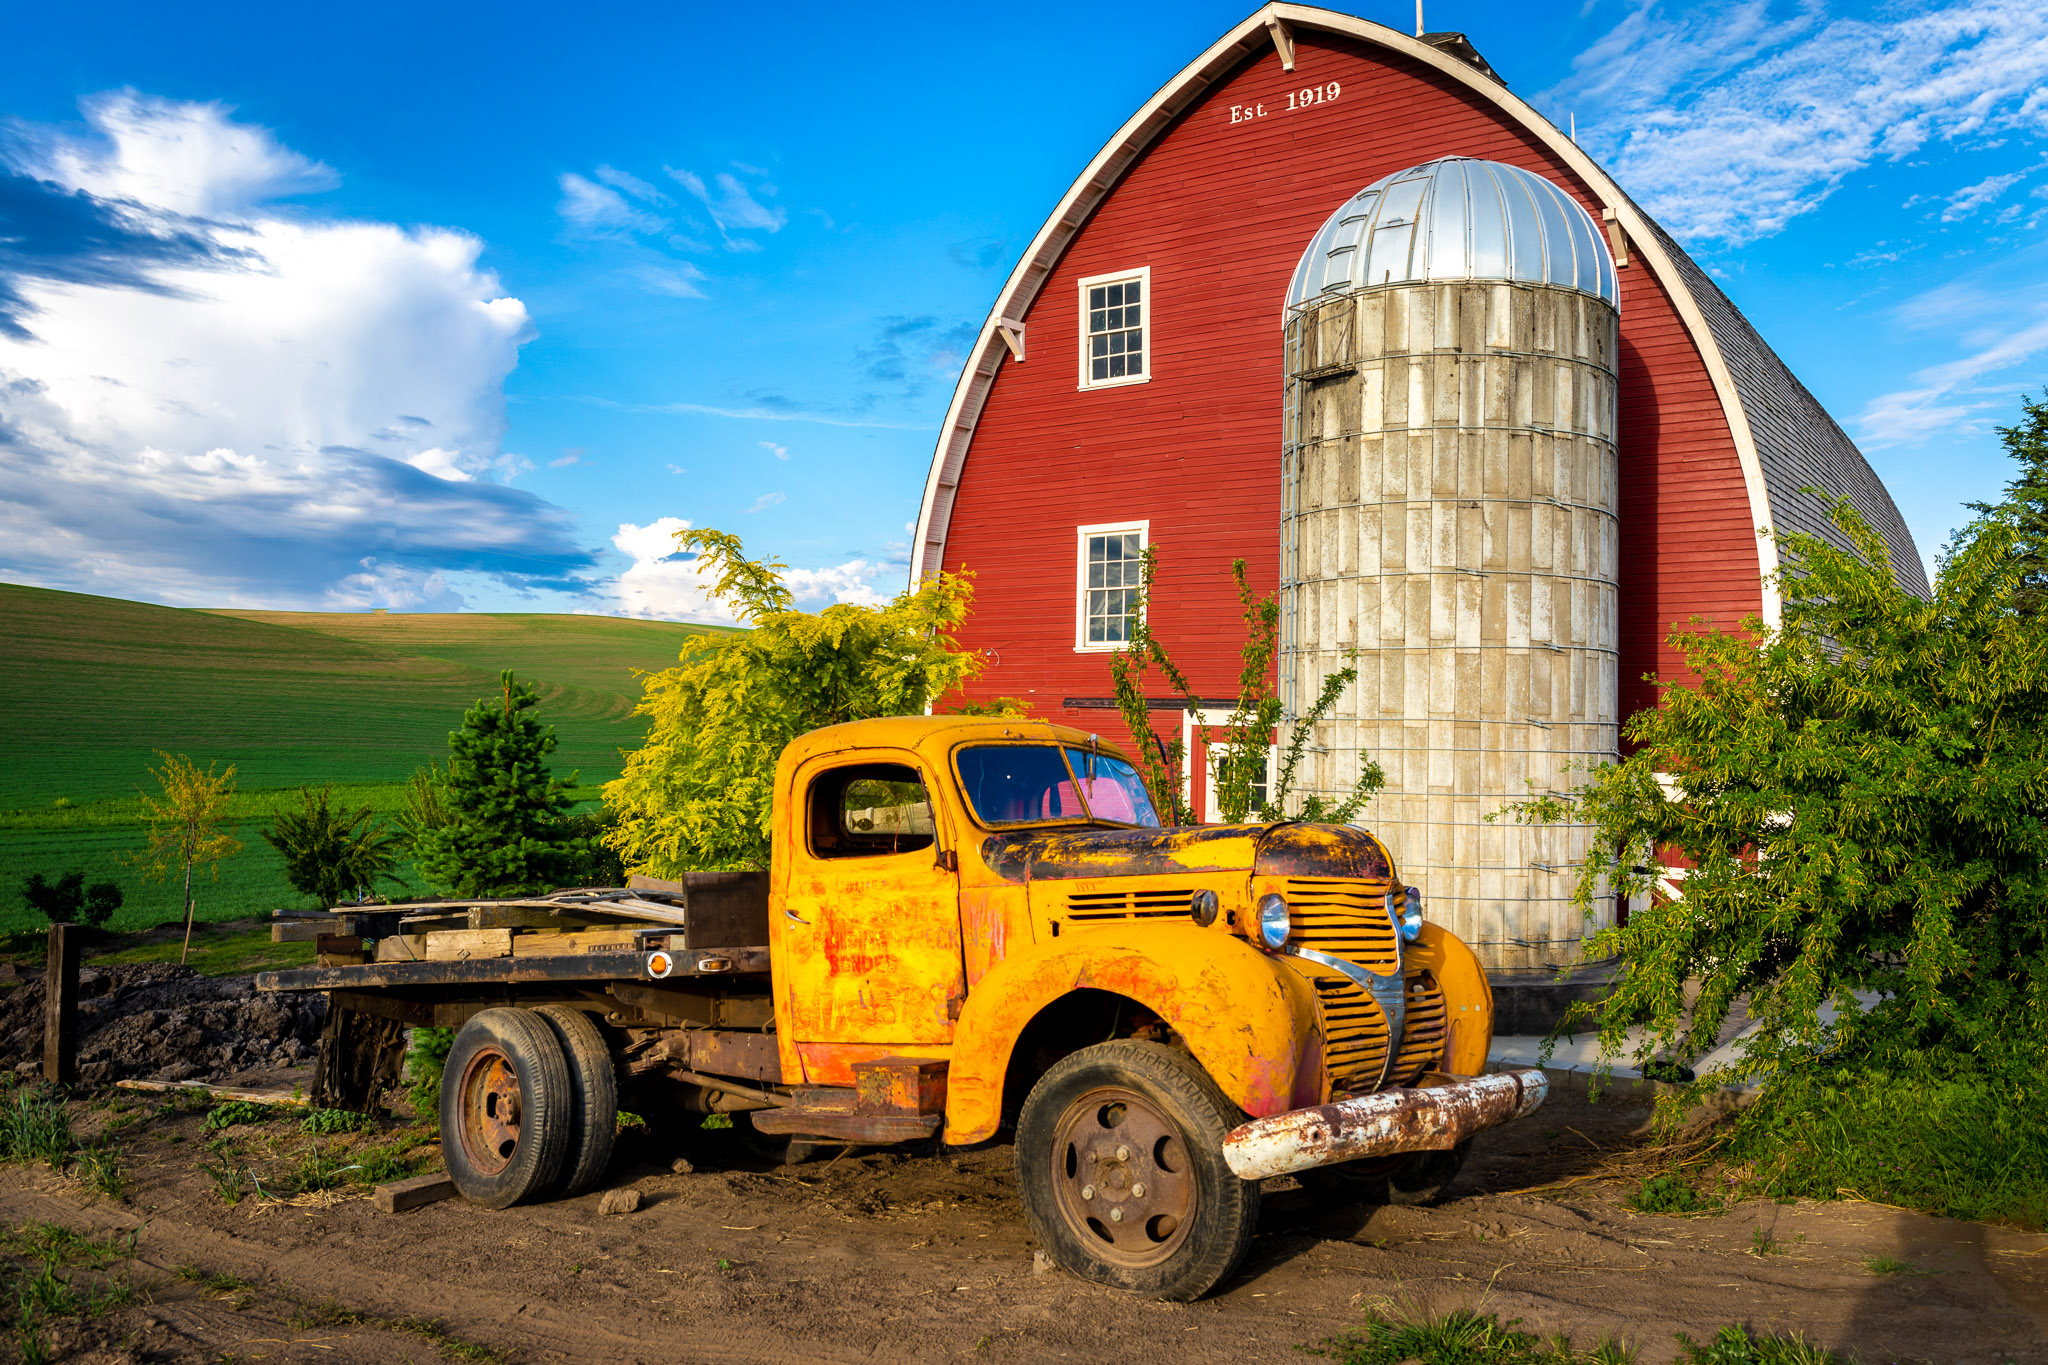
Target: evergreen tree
x=68 y=900
x=508 y=832
x=2026 y=503
x=332 y=855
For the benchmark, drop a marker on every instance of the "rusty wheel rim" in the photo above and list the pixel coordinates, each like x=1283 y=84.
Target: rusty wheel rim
x=492 y=1110
x=1123 y=1177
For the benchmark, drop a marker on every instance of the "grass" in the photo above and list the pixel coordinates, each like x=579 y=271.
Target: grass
x=222 y=951
x=1967 y=1147
x=1890 y=1265
x=1670 y=1194
x=1468 y=1338
x=91 y=686
x=34 y=1290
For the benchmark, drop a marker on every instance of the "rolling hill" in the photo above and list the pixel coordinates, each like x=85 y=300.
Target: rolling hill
x=91 y=686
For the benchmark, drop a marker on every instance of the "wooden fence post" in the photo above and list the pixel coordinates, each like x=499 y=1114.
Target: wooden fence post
x=60 y=1006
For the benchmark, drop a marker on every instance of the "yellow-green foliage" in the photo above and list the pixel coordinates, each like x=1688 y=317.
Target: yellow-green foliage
x=698 y=794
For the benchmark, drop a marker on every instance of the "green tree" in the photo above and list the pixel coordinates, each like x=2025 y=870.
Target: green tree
x=1849 y=802
x=68 y=900
x=698 y=793
x=329 y=854
x=426 y=805
x=507 y=831
x=1252 y=725
x=2026 y=502
x=184 y=825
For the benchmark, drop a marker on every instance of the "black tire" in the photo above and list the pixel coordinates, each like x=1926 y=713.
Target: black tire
x=506 y=1103
x=594 y=1095
x=1120 y=1163
x=1415 y=1179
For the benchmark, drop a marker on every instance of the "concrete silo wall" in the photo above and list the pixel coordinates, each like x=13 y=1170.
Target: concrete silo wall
x=1448 y=513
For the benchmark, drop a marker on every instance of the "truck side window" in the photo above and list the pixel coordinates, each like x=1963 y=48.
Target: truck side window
x=869 y=809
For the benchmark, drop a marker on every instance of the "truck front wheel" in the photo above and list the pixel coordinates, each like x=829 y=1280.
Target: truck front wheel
x=1120 y=1163
x=505 y=1108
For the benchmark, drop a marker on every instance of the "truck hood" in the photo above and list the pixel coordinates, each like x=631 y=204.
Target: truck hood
x=1284 y=850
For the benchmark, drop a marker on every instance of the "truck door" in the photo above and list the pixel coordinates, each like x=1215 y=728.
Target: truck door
x=869 y=928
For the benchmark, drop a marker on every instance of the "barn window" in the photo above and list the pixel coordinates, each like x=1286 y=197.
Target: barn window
x=1115 y=343
x=1111 y=565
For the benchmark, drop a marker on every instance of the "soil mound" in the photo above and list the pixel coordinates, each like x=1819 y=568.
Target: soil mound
x=161 y=1021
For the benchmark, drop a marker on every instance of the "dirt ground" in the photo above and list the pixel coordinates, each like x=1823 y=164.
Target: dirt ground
x=893 y=1256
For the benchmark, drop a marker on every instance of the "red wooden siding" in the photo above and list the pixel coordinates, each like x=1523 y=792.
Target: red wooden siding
x=1221 y=212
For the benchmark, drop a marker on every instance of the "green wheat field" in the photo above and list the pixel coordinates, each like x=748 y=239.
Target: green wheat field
x=90 y=687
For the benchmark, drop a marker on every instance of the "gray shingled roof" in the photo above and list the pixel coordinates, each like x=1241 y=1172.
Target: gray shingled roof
x=1799 y=445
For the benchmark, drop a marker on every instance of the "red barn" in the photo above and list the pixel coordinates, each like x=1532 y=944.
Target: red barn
x=1132 y=387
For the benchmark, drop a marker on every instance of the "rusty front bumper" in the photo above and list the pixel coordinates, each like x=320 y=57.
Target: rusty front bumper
x=1385 y=1123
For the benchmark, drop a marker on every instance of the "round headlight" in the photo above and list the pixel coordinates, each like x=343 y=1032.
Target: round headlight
x=1411 y=915
x=1274 y=922
x=1203 y=905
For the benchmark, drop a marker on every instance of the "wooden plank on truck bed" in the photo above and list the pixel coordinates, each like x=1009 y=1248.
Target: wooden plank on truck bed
x=586 y=941
x=596 y=966
x=461 y=945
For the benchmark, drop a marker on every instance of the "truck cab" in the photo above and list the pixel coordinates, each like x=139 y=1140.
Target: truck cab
x=973 y=926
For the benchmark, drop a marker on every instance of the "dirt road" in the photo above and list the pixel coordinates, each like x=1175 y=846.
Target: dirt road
x=888 y=1257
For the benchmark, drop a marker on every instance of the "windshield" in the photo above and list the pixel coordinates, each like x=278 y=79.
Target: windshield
x=1112 y=789
x=1012 y=784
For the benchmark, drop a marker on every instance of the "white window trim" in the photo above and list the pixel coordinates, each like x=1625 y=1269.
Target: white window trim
x=1082 y=645
x=1193 y=722
x=1143 y=275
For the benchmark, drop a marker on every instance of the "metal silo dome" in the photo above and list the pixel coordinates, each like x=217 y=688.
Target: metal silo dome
x=1456 y=218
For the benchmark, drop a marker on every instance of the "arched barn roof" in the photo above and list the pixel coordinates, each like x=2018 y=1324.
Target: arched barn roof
x=1783 y=438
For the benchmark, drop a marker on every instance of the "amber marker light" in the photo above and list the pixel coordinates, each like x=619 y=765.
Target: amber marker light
x=660 y=964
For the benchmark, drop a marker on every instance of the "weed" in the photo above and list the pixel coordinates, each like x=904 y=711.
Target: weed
x=326 y=1121
x=724 y=1264
x=40 y=1293
x=627 y=1120
x=33 y=1127
x=55 y=1244
x=1460 y=1338
x=1761 y=1243
x=218 y=1285
x=1735 y=1346
x=1670 y=1194
x=226 y=1178
x=452 y=1346
x=425 y=1055
x=104 y=1169
x=714 y=1121
x=236 y=1112
x=326 y=1313
x=1890 y=1265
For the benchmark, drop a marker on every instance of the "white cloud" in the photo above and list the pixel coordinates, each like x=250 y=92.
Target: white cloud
x=567 y=458
x=602 y=210
x=1729 y=123
x=733 y=206
x=394 y=588
x=248 y=424
x=1970 y=198
x=766 y=501
x=663 y=582
x=780 y=452
x=186 y=158
x=1954 y=396
x=631 y=184
x=677 y=469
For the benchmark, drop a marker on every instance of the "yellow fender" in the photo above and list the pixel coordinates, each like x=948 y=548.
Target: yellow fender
x=1468 y=999
x=1248 y=1019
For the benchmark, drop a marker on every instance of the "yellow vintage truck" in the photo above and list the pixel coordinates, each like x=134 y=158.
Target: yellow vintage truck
x=969 y=926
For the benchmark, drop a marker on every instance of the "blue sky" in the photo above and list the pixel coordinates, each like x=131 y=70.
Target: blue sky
x=438 y=309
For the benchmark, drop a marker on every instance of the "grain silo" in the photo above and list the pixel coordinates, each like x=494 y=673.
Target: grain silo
x=1448 y=514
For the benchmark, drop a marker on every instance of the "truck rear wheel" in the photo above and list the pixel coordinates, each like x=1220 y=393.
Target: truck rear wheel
x=505 y=1108
x=1414 y=1179
x=593 y=1094
x=1120 y=1163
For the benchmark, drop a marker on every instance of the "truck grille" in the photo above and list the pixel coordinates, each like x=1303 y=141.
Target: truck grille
x=1354 y=1035
x=1424 y=1032
x=1148 y=904
x=1344 y=919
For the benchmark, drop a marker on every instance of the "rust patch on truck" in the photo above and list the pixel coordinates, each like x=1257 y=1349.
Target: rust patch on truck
x=1386 y=1123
